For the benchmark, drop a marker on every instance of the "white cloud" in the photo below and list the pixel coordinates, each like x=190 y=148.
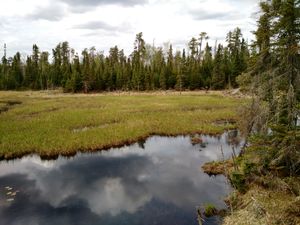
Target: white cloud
x=103 y=23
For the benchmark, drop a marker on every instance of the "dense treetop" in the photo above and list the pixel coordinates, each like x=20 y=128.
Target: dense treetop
x=146 y=68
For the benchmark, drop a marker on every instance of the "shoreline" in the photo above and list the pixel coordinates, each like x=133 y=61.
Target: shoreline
x=54 y=156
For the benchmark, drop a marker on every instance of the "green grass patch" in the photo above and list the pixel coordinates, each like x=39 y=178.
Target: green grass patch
x=50 y=123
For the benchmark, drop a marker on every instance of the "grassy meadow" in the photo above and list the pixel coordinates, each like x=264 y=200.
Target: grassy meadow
x=52 y=123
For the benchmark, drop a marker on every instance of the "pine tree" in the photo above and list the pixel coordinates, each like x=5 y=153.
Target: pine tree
x=77 y=83
x=17 y=70
x=138 y=61
x=179 y=71
x=28 y=78
x=35 y=67
x=170 y=76
x=194 y=75
x=56 y=73
x=158 y=68
x=218 y=74
x=202 y=36
x=207 y=67
x=86 y=71
x=65 y=64
x=44 y=70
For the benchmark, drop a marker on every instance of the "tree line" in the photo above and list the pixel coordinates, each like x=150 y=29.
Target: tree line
x=273 y=76
x=147 y=68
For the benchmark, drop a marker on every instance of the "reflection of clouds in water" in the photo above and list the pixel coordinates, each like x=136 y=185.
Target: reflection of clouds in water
x=35 y=160
x=121 y=181
x=113 y=198
x=95 y=179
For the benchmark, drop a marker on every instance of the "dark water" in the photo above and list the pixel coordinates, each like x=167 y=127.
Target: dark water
x=156 y=182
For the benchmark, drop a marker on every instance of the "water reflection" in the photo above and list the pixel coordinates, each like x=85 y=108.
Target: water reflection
x=162 y=184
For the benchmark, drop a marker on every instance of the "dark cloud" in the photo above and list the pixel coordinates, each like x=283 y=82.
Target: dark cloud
x=95 y=25
x=104 y=2
x=238 y=1
x=51 y=13
x=85 y=5
x=201 y=14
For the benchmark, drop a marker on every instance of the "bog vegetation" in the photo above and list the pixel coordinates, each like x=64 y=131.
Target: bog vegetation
x=50 y=124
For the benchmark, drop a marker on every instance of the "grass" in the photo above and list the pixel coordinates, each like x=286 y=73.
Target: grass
x=210 y=210
x=265 y=206
x=52 y=123
x=217 y=168
x=262 y=197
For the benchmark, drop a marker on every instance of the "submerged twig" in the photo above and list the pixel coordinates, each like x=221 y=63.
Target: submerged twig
x=226 y=175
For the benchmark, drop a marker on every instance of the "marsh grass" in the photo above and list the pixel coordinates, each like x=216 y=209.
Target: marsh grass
x=52 y=123
x=217 y=168
x=265 y=206
x=210 y=210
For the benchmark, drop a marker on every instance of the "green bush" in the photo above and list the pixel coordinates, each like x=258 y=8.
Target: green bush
x=210 y=210
x=238 y=180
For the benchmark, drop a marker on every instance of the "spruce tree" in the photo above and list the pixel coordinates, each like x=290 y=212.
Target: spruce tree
x=218 y=74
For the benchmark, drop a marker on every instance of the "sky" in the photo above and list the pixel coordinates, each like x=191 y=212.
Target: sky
x=106 y=23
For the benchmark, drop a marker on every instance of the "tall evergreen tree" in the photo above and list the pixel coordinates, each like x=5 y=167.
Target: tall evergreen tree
x=56 y=73
x=44 y=70
x=17 y=70
x=138 y=60
x=207 y=67
x=218 y=74
x=202 y=36
x=35 y=67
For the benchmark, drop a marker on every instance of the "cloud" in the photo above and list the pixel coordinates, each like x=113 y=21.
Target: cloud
x=85 y=5
x=54 y=12
x=200 y=14
x=49 y=22
x=104 y=2
x=94 y=25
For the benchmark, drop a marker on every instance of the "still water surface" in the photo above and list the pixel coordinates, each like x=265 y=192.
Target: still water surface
x=159 y=181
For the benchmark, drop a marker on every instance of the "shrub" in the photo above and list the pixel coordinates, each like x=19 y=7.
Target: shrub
x=210 y=210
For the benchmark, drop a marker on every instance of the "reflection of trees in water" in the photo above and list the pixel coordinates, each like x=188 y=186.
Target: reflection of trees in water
x=233 y=138
x=141 y=144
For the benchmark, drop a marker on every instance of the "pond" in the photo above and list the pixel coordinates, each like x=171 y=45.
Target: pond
x=159 y=181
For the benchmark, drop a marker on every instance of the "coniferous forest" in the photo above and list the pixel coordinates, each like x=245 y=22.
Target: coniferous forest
x=147 y=68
